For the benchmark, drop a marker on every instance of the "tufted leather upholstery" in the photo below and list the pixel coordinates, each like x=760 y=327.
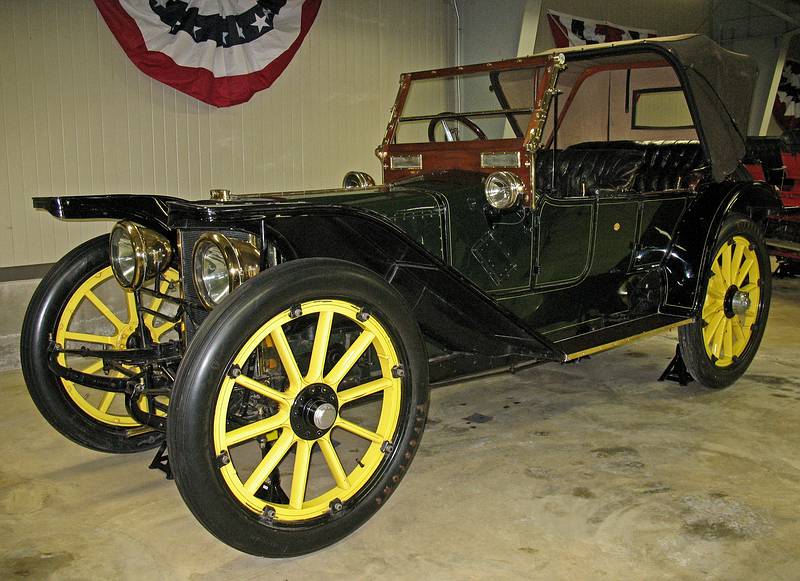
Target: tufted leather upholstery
x=590 y=171
x=668 y=164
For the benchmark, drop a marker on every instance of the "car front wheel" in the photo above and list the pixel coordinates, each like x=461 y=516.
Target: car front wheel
x=298 y=407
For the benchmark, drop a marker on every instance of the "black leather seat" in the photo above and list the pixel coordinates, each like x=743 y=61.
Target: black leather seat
x=667 y=164
x=671 y=165
x=590 y=171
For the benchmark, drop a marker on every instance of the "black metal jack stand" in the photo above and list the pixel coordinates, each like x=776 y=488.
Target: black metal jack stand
x=676 y=370
x=161 y=461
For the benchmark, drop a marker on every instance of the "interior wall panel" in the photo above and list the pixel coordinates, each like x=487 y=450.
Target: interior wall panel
x=77 y=117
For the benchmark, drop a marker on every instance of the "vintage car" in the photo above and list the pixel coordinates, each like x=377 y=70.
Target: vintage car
x=281 y=346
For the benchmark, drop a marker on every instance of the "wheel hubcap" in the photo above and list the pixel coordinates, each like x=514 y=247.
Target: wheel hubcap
x=740 y=302
x=314 y=411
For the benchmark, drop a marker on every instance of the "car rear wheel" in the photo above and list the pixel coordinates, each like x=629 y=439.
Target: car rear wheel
x=298 y=407
x=720 y=345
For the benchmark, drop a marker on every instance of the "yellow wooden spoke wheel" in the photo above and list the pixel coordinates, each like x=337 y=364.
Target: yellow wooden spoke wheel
x=309 y=410
x=101 y=314
x=721 y=344
x=732 y=301
x=298 y=407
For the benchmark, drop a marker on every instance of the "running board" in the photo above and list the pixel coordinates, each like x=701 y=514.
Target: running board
x=619 y=334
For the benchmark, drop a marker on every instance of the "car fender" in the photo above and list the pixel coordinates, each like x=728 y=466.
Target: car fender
x=452 y=312
x=689 y=255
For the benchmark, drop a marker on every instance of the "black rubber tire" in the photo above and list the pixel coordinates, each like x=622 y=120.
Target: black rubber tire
x=203 y=368
x=46 y=389
x=691 y=336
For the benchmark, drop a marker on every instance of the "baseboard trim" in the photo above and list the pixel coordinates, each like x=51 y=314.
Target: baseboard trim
x=25 y=272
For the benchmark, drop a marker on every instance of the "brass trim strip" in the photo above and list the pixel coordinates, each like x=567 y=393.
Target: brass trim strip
x=626 y=340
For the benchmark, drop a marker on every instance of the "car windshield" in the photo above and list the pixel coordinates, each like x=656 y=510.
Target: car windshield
x=485 y=105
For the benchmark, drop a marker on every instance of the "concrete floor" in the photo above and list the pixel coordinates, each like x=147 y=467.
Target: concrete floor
x=586 y=471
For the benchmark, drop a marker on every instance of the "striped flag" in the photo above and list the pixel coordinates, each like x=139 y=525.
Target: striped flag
x=573 y=31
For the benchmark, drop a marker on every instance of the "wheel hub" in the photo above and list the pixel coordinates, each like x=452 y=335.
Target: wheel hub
x=314 y=411
x=737 y=302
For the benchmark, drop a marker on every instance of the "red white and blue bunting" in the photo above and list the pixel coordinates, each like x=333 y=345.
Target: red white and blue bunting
x=574 y=31
x=219 y=51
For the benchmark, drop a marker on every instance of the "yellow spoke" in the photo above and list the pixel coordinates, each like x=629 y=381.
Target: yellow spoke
x=727 y=338
x=345 y=364
x=715 y=292
x=287 y=359
x=319 y=351
x=740 y=337
x=262 y=389
x=90 y=338
x=749 y=288
x=717 y=273
x=104 y=310
x=719 y=335
x=334 y=464
x=108 y=399
x=161 y=329
x=743 y=270
x=359 y=431
x=255 y=429
x=269 y=462
x=736 y=261
x=726 y=263
x=302 y=459
x=364 y=390
x=93 y=368
x=709 y=331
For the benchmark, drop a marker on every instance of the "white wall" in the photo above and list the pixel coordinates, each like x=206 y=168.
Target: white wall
x=76 y=117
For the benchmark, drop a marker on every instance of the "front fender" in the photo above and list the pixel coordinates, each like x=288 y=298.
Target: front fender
x=689 y=255
x=452 y=312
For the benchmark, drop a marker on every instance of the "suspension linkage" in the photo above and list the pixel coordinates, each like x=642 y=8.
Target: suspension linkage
x=160 y=353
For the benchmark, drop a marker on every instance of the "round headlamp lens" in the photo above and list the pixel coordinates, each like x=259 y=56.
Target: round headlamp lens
x=503 y=189
x=137 y=254
x=123 y=256
x=212 y=273
x=220 y=265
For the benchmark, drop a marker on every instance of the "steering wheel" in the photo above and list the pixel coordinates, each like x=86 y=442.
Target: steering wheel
x=446 y=116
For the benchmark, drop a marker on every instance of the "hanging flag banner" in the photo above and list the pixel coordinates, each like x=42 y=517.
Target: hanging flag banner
x=219 y=51
x=787 y=102
x=573 y=31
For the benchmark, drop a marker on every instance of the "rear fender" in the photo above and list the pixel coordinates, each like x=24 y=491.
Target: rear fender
x=689 y=255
